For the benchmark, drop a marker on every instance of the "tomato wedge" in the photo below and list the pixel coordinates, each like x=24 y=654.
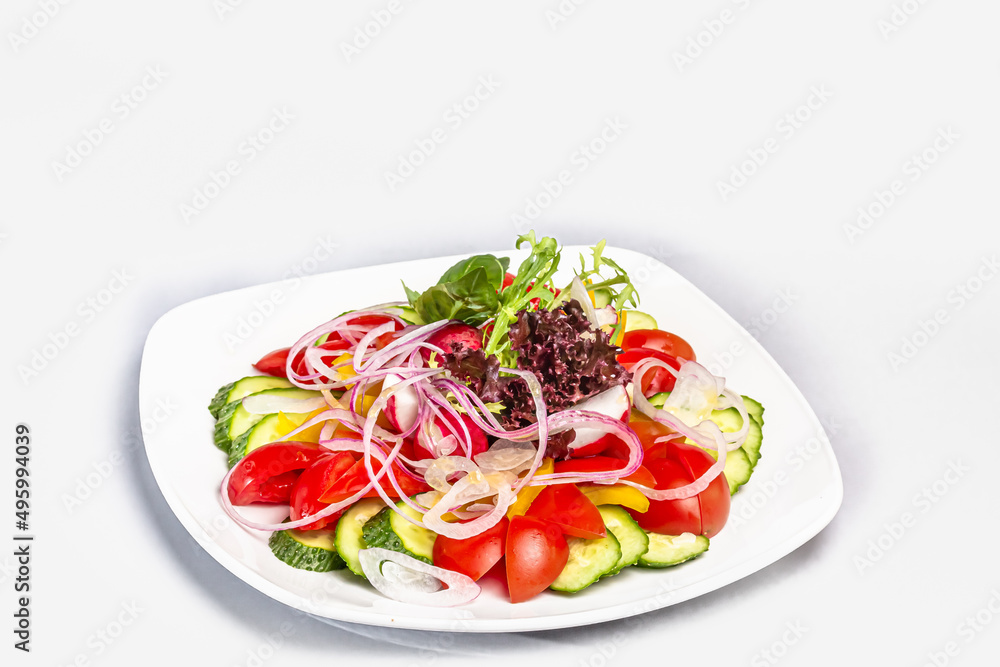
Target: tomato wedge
x=356 y=478
x=605 y=464
x=267 y=473
x=659 y=340
x=704 y=514
x=567 y=507
x=654 y=380
x=273 y=363
x=536 y=553
x=313 y=483
x=474 y=556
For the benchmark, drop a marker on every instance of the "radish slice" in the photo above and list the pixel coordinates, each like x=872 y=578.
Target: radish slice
x=406 y=579
x=606 y=316
x=269 y=404
x=612 y=402
x=403 y=405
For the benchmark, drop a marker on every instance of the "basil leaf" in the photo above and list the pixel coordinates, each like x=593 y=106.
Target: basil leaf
x=471 y=299
x=494 y=268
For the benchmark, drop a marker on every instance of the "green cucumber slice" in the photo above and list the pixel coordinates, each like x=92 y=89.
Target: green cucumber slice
x=636 y=319
x=670 y=550
x=632 y=539
x=235 y=391
x=602 y=297
x=589 y=560
x=234 y=420
x=755 y=409
x=311 y=550
x=389 y=530
x=755 y=437
x=265 y=431
x=349 y=534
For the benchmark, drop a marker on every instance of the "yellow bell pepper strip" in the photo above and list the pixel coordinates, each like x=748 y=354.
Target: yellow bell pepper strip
x=528 y=494
x=615 y=494
x=287 y=424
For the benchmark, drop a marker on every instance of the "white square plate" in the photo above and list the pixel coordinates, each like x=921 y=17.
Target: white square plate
x=196 y=348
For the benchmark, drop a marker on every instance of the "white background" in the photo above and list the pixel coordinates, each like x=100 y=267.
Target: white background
x=897 y=424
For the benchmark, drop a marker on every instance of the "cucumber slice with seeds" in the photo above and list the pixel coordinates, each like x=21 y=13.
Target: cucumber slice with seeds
x=589 y=560
x=266 y=431
x=670 y=550
x=311 y=550
x=349 y=535
x=235 y=391
x=632 y=539
x=389 y=530
x=234 y=420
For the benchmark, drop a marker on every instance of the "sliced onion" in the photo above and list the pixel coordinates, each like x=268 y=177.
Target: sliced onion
x=266 y=404
x=505 y=455
x=415 y=582
x=579 y=292
x=442 y=468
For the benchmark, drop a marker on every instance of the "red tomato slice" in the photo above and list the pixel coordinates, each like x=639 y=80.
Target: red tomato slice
x=356 y=478
x=262 y=476
x=604 y=464
x=313 y=483
x=536 y=553
x=474 y=556
x=657 y=379
x=273 y=363
x=704 y=514
x=649 y=432
x=567 y=507
x=659 y=340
